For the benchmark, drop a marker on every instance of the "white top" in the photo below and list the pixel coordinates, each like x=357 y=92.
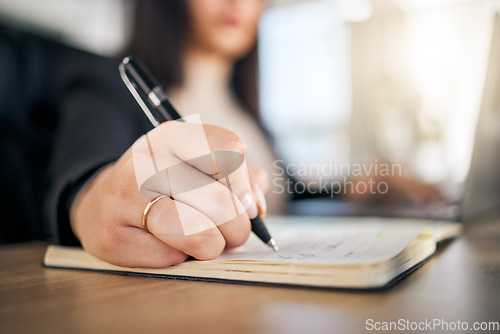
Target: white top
x=206 y=91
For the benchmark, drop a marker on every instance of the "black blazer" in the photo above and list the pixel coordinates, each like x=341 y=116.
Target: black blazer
x=63 y=114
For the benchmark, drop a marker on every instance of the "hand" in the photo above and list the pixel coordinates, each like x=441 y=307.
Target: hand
x=199 y=220
x=397 y=190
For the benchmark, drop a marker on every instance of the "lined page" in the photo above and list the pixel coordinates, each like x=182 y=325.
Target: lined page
x=332 y=240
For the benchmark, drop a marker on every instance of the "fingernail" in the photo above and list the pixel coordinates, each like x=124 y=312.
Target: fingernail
x=249 y=205
x=261 y=202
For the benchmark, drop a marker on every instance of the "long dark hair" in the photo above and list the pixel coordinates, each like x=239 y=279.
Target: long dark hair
x=158 y=37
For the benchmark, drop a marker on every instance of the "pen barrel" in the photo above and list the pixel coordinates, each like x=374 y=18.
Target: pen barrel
x=168 y=111
x=148 y=87
x=260 y=229
x=141 y=75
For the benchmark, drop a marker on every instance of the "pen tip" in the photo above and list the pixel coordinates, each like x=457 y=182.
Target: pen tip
x=272 y=243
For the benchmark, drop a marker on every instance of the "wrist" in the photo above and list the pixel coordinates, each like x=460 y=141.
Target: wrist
x=79 y=193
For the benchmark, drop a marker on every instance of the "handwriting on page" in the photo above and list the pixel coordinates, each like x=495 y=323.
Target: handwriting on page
x=340 y=243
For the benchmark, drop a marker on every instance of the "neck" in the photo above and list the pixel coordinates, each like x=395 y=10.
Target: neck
x=201 y=62
x=205 y=86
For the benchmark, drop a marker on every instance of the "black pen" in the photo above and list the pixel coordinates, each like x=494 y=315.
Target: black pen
x=144 y=87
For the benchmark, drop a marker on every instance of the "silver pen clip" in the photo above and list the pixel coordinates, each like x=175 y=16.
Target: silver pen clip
x=136 y=95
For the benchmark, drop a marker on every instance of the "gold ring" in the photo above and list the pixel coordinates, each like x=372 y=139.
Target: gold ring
x=146 y=211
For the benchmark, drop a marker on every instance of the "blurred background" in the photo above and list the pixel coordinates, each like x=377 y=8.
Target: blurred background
x=340 y=80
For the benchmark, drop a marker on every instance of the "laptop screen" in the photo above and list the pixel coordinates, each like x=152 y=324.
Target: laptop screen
x=482 y=192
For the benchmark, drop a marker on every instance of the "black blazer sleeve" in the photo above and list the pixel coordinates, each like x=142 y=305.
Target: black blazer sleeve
x=99 y=120
x=29 y=72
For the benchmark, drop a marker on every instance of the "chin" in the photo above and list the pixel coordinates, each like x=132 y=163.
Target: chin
x=233 y=43
x=235 y=50
x=235 y=55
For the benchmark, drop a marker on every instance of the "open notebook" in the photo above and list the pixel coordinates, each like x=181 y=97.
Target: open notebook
x=355 y=253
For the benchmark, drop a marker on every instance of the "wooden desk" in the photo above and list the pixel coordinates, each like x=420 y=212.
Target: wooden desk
x=461 y=282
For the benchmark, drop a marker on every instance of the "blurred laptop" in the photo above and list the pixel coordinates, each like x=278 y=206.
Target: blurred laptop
x=480 y=195
x=482 y=189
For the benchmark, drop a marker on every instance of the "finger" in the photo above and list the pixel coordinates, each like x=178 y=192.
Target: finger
x=175 y=224
x=218 y=207
x=174 y=142
x=101 y=219
x=259 y=181
x=129 y=246
x=186 y=229
x=210 y=149
x=233 y=172
x=258 y=178
x=237 y=180
x=215 y=201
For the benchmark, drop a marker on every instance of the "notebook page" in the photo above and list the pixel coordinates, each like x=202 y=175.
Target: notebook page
x=332 y=240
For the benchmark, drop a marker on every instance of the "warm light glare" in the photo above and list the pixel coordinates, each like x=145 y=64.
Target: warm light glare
x=355 y=10
x=447 y=50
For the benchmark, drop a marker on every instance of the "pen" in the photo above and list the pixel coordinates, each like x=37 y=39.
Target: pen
x=146 y=89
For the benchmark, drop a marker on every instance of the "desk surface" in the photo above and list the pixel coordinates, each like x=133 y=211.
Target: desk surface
x=461 y=282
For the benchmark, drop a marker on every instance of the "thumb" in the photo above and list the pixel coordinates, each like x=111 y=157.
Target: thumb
x=259 y=182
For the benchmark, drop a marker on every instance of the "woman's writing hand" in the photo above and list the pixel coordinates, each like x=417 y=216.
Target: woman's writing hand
x=209 y=198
